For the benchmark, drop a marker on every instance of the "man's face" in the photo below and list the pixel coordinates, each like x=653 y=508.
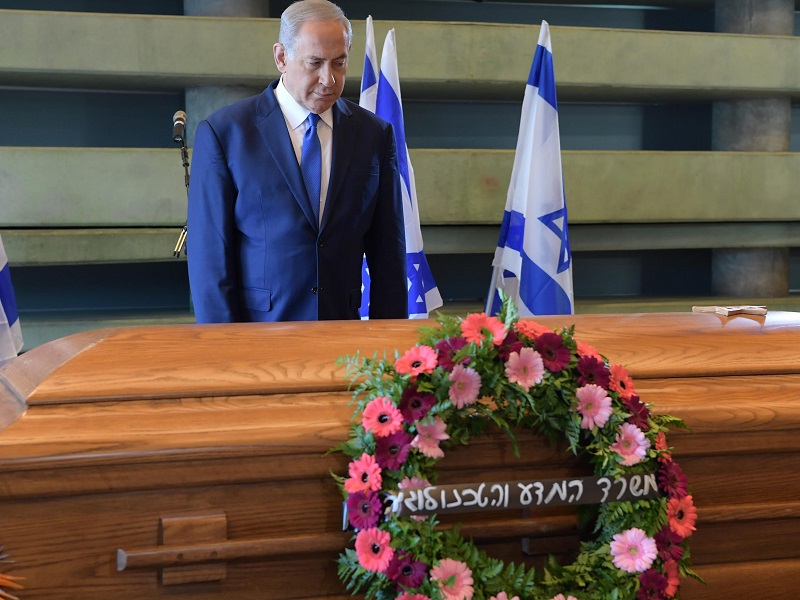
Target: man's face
x=314 y=75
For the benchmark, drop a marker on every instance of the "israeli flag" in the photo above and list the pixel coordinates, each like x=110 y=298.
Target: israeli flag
x=532 y=263
x=10 y=332
x=423 y=295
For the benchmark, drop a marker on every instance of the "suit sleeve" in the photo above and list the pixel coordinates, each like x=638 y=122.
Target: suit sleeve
x=385 y=242
x=211 y=247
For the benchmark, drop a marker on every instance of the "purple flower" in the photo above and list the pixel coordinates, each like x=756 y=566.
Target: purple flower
x=653 y=585
x=363 y=509
x=668 y=544
x=391 y=451
x=593 y=371
x=639 y=412
x=414 y=405
x=510 y=344
x=407 y=572
x=447 y=348
x=672 y=481
x=555 y=354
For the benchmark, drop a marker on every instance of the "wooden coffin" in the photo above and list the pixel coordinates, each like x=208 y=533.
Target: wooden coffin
x=190 y=461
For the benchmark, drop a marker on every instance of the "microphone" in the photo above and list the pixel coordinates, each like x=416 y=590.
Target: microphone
x=178 y=126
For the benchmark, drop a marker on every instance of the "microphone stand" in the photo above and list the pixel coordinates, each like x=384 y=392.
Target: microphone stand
x=180 y=246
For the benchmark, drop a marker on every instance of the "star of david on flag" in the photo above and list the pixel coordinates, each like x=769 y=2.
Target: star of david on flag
x=532 y=263
x=380 y=93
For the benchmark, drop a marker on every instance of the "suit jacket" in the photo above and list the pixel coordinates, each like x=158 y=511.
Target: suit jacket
x=255 y=250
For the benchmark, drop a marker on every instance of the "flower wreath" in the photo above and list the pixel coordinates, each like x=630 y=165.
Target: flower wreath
x=516 y=374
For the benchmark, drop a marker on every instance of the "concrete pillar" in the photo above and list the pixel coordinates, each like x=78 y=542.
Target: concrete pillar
x=201 y=101
x=752 y=125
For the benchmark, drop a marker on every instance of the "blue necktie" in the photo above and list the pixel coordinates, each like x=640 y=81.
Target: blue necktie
x=311 y=163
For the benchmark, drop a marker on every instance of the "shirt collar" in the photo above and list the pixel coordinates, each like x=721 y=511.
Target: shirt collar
x=294 y=113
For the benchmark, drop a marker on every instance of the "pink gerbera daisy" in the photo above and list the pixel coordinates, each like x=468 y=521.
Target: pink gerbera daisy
x=561 y=597
x=503 y=596
x=682 y=515
x=373 y=549
x=621 y=382
x=429 y=434
x=530 y=329
x=594 y=405
x=475 y=327
x=454 y=578
x=525 y=368
x=382 y=417
x=466 y=383
x=417 y=360
x=633 y=551
x=365 y=475
x=406 y=596
x=631 y=444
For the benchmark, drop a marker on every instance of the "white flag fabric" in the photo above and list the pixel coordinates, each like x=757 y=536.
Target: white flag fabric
x=532 y=263
x=369 y=78
x=10 y=331
x=423 y=295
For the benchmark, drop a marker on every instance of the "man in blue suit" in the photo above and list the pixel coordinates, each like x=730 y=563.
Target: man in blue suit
x=260 y=246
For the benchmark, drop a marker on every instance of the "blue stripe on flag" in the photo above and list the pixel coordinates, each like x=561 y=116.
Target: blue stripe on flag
x=368 y=78
x=7 y=300
x=543 y=76
x=512 y=231
x=539 y=290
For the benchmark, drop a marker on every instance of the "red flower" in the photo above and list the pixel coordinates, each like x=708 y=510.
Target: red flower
x=682 y=515
x=530 y=329
x=554 y=354
x=417 y=360
x=475 y=327
x=621 y=382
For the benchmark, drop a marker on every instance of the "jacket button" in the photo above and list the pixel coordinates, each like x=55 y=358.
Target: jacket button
x=320 y=243
x=315 y=290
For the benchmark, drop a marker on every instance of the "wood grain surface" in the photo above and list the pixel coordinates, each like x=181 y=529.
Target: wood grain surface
x=131 y=428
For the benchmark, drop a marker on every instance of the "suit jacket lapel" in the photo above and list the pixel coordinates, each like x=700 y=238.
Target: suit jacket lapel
x=345 y=134
x=272 y=127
